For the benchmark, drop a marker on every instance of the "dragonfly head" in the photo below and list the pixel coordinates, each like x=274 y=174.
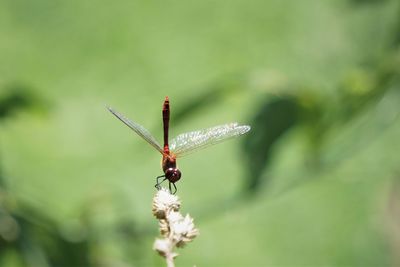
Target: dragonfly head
x=173 y=174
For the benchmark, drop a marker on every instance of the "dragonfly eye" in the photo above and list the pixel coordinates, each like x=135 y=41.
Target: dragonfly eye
x=173 y=175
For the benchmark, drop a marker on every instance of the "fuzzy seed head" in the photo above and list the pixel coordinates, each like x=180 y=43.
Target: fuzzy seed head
x=163 y=202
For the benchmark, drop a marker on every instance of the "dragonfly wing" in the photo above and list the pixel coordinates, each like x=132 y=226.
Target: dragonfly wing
x=140 y=130
x=187 y=143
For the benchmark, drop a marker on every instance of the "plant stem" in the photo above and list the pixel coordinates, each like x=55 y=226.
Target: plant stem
x=170 y=260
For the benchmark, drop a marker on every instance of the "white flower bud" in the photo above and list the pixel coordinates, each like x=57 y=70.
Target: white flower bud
x=162 y=246
x=174 y=216
x=163 y=202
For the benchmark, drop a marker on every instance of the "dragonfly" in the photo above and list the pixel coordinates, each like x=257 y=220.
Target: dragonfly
x=181 y=145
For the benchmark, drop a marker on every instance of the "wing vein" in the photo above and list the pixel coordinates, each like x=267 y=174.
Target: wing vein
x=137 y=128
x=187 y=143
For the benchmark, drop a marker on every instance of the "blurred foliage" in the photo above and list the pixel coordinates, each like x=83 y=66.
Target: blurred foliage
x=319 y=82
x=16 y=97
x=267 y=129
x=361 y=89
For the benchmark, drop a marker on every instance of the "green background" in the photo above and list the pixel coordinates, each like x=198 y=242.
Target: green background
x=315 y=183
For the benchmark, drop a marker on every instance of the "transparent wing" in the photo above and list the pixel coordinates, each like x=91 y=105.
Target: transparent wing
x=140 y=130
x=187 y=143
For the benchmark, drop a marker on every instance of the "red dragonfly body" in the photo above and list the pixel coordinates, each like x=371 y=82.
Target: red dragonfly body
x=183 y=144
x=171 y=172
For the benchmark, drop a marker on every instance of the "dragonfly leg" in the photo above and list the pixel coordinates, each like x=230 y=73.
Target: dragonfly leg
x=158 y=183
x=169 y=185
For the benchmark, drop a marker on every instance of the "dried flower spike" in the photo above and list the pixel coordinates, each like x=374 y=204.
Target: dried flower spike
x=176 y=229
